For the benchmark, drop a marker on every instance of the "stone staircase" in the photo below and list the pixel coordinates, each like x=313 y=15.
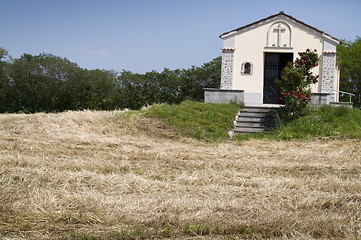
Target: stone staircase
x=256 y=119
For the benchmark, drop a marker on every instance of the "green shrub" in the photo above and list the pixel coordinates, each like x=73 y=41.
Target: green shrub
x=295 y=82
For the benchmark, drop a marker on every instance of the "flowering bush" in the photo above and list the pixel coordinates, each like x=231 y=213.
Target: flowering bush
x=295 y=82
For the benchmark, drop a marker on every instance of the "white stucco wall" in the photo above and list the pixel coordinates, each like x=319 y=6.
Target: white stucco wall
x=329 y=45
x=250 y=45
x=228 y=43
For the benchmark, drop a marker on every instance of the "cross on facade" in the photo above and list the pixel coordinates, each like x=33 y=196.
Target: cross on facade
x=279 y=29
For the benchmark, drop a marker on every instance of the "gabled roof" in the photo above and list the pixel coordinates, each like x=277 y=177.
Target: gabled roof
x=274 y=16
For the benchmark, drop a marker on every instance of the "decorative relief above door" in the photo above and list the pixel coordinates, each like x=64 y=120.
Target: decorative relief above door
x=279 y=35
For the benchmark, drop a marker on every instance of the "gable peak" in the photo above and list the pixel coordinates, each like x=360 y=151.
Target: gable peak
x=281 y=13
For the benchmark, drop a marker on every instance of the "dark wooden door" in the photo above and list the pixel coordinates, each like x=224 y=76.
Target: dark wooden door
x=273 y=65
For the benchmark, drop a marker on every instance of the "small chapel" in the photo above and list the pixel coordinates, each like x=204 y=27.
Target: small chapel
x=254 y=55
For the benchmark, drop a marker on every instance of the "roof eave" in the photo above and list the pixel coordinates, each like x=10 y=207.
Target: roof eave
x=227 y=34
x=248 y=25
x=332 y=39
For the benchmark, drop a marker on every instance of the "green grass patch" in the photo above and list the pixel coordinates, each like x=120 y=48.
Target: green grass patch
x=327 y=121
x=185 y=231
x=248 y=136
x=205 y=121
x=212 y=122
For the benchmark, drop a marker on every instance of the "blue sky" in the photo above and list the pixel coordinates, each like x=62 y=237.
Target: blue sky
x=146 y=35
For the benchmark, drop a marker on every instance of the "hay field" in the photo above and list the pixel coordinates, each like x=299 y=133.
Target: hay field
x=104 y=175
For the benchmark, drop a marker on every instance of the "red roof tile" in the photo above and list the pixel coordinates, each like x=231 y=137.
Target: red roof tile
x=228 y=49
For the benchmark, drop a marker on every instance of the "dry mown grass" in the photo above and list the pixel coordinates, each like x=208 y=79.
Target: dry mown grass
x=89 y=175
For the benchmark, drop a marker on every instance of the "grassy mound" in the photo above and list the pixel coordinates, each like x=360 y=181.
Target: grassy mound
x=205 y=121
x=211 y=122
x=327 y=121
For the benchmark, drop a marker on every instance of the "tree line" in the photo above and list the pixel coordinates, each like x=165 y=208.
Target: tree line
x=48 y=83
x=349 y=60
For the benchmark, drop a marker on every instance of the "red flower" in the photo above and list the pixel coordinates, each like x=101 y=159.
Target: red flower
x=301 y=89
x=308 y=95
x=300 y=96
x=292 y=92
x=281 y=91
x=304 y=99
x=287 y=94
x=315 y=50
x=307 y=50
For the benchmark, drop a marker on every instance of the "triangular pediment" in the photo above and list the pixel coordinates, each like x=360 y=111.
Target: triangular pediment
x=281 y=16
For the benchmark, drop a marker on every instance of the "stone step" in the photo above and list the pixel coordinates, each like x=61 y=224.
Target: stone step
x=240 y=130
x=255 y=120
x=256 y=115
x=254 y=124
x=259 y=109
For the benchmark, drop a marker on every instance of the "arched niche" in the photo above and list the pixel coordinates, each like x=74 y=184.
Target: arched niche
x=279 y=35
x=247 y=67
